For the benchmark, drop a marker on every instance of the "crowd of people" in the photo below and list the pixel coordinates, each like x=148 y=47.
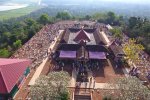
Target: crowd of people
x=36 y=48
x=143 y=65
x=140 y=68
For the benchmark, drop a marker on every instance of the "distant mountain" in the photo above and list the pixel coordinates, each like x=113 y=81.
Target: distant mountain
x=83 y=2
x=92 y=6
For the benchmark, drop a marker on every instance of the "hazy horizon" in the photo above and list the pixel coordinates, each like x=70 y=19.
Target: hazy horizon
x=86 y=1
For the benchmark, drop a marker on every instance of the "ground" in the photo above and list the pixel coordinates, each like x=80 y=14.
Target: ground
x=17 y=12
x=107 y=73
x=103 y=75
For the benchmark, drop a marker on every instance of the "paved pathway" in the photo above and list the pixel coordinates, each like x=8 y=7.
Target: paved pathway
x=73 y=79
x=126 y=71
x=88 y=85
x=55 y=42
x=38 y=72
x=92 y=84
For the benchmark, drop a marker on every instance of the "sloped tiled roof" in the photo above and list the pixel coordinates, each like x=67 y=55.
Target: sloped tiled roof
x=116 y=49
x=10 y=71
x=81 y=36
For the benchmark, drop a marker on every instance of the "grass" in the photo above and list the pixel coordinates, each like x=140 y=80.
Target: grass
x=4 y=15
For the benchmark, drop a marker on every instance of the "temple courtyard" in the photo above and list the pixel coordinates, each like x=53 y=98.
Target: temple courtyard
x=90 y=55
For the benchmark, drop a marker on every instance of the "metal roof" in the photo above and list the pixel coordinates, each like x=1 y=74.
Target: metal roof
x=10 y=72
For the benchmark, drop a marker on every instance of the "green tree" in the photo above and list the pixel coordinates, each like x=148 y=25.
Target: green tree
x=132 y=50
x=132 y=22
x=117 y=32
x=63 y=15
x=110 y=18
x=17 y=44
x=51 y=87
x=30 y=22
x=87 y=17
x=4 y=53
x=129 y=88
x=99 y=16
x=6 y=36
x=44 y=19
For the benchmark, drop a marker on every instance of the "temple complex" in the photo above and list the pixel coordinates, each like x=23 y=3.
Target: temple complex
x=85 y=49
x=89 y=54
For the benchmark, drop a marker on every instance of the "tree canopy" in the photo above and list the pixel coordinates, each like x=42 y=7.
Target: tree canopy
x=44 y=19
x=132 y=50
x=129 y=88
x=51 y=87
x=139 y=28
x=117 y=32
x=64 y=15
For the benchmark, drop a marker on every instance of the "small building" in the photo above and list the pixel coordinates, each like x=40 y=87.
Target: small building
x=117 y=52
x=13 y=72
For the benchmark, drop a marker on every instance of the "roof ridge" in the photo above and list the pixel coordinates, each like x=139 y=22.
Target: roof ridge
x=14 y=62
x=82 y=33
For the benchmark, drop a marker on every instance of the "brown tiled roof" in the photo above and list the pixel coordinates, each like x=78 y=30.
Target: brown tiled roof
x=81 y=36
x=66 y=35
x=116 y=50
x=98 y=38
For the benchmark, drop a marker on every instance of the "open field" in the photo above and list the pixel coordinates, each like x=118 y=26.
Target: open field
x=17 y=12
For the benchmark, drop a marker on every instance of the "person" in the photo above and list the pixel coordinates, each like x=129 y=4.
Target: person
x=116 y=66
x=94 y=84
x=62 y=68
x=63 y=65
x=131 y=71
x=90 y=79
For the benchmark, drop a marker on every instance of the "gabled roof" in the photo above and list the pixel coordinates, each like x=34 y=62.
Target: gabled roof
x=98 y=38
x=10 y=71
x=81 y=36
x=66 y=35
x=117 y=50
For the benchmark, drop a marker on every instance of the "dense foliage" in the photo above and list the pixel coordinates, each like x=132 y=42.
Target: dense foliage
x=139 y=29
x=132 y=50
x=129 y=88
x=14 y=34
x=51 y=87
x=17 y=31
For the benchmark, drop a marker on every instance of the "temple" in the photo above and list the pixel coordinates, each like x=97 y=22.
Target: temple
x=86 y=50
x=82 y=47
